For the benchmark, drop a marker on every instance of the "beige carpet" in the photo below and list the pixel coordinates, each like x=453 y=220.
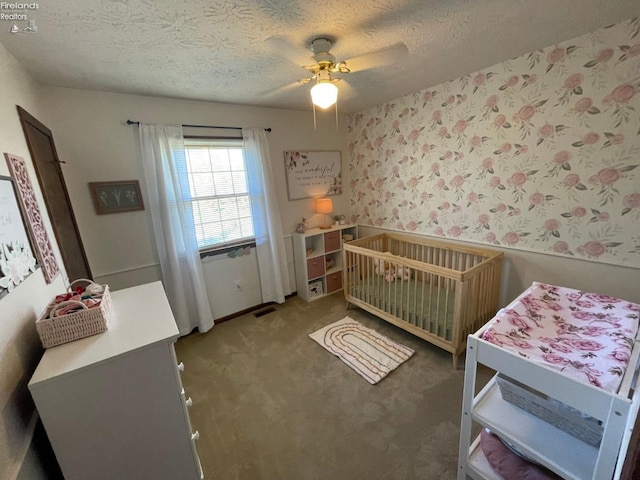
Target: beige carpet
x=270 y=405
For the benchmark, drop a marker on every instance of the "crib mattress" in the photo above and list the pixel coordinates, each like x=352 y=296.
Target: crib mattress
x=419 y=303
x=586 y=336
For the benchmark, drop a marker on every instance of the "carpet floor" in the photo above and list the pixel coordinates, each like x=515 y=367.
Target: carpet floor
x=271 y=404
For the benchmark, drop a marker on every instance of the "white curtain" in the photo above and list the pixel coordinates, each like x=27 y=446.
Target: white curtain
x=169 y=200
x=272 y=262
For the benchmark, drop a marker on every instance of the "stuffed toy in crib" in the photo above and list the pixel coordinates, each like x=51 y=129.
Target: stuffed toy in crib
x=391 y=272
x=385 y=269
x=403 y=273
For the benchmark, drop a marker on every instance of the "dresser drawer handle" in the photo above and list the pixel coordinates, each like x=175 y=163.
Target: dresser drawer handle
x=188 y=402
x=195 y=435
x=181 y=366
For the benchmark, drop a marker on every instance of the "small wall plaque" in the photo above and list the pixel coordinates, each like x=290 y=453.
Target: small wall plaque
x=115 y=197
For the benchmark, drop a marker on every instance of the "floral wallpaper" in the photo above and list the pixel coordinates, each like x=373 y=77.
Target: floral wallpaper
x=541 y=153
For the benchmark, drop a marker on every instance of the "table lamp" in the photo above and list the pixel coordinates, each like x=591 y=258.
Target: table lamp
x=324 y=206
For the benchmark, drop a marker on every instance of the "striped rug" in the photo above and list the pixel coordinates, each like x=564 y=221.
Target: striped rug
x=366 y=351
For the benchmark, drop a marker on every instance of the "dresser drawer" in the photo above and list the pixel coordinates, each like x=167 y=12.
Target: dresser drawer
x=334 y=282
x=315 y=267
x=332 y=241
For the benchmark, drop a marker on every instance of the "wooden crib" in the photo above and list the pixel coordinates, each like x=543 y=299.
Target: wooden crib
x=436 y=290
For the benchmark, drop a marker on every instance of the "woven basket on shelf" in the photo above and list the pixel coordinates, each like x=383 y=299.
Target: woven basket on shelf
x=564 y=417
x=56 y=329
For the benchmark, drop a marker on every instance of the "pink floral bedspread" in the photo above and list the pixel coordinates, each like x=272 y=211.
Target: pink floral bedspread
x=586 y=336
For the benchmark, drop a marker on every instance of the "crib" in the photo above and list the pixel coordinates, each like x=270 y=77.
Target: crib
x=436 y=290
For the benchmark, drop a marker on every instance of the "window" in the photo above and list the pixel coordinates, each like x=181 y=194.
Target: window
x=218 y=183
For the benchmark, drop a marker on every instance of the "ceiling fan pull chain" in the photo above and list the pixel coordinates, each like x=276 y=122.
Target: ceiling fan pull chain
x=314 y=116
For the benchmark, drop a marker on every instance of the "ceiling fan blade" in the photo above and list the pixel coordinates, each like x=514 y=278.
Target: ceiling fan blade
x=285 y=48
x=345 y=90
x=284 y=88
x=379 y=58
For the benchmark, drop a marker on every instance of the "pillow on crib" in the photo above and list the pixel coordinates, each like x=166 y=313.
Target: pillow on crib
x=508 y=464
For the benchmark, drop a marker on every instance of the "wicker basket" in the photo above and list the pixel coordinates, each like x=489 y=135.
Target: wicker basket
x=58 y=329
x=585 y=428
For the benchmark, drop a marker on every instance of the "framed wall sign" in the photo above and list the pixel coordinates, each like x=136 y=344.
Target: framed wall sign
x=17 y=253
x=115 y=197
x=313 y=173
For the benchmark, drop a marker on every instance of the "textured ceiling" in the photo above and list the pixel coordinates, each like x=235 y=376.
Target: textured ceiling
x=235 y=51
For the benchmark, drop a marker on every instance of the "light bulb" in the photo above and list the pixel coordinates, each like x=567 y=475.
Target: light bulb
x=324 y=94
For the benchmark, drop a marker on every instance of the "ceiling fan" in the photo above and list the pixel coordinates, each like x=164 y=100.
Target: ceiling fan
x=325 y=92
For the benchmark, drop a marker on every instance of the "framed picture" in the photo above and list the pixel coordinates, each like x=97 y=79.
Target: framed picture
x=313 y=173
x=17 y=253
x=116 y=197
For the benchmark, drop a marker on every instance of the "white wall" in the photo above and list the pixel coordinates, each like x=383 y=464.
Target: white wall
x=92 y=137
x=235 y=285
x=20 y=348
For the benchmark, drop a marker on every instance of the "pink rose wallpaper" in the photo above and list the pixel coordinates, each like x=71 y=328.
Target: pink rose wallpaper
x=540 y=153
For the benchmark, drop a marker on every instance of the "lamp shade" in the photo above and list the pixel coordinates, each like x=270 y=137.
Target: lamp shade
x=324 y=205
x=324 y=94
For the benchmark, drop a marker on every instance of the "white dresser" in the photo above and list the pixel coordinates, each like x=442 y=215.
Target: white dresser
x=113 y=404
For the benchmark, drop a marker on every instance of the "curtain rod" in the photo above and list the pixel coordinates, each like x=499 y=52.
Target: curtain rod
x=133 y=122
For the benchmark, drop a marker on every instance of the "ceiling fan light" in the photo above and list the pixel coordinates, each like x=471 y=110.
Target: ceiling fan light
x=324 y=95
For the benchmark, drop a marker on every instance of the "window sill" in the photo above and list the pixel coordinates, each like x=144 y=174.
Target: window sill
x=213 y=251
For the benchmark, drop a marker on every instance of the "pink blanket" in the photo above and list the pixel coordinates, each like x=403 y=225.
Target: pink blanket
x=586 y=336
